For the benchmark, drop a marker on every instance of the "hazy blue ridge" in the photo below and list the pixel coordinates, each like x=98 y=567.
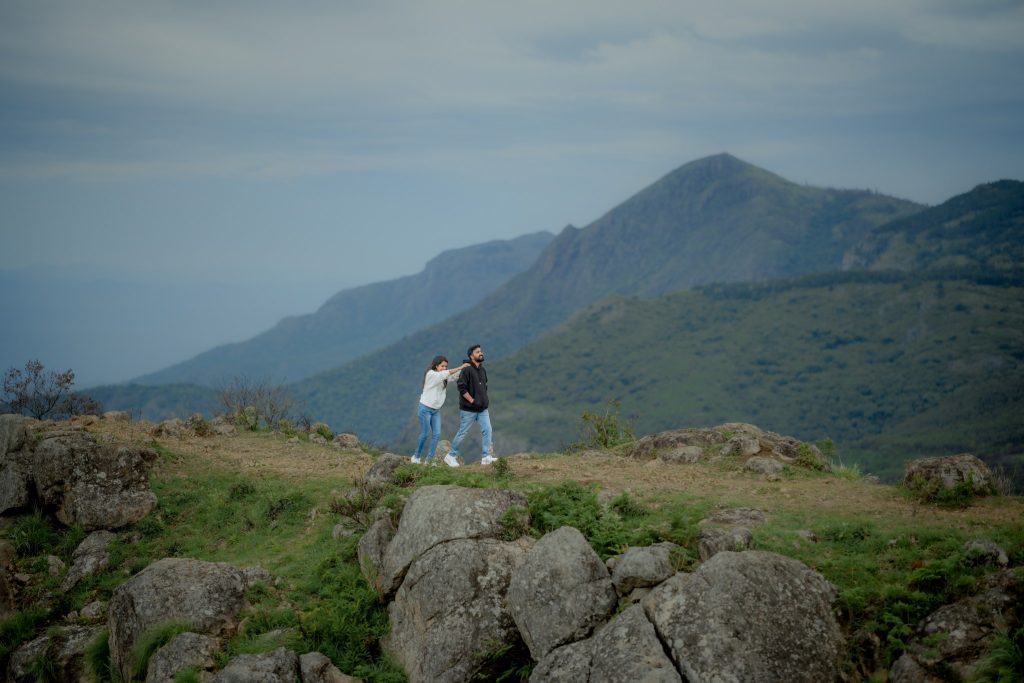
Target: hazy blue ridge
x=156 y=403
x=717 y=219
x=359 y=320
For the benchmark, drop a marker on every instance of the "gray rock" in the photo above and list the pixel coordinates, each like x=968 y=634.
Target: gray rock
x=380 y=472
x=763 y=465
x=443 y=446
x=95 y=485
x=317 y=668
x=808 y=535
x=750 y=616
x=561 y=593
x=205 y=595
x=8 y=598
x=907 y=670
x=183 y=651
x=642 y=567
x=714 y=540
x=94 y=611
x=451 y=609
x=223 y=427
x=7 y=554
x=16 y=443
x=346 y=440
x=117 y=416
x=89 y=558
x=567 y=663
x=65 y=653
x=983 y=551
x=172 y=427
x=371 y=549
x=279 y=666
x=256 y=574
x=54 y=565
x=318 y=439
x=627 y=649
x=959 y=636
x=681 y=455
x=735 y=517
x=435 y=514
x=948 y=471
x=342 y=531
x=742 y=446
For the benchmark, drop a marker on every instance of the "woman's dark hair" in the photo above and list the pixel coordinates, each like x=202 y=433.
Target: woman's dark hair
x=433 y=366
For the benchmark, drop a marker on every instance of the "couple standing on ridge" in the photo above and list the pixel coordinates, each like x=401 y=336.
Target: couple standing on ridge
x=472 y=384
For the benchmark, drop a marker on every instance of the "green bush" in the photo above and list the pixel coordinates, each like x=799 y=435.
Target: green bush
x=33 y=534
x=18 y=628
x=97 y=658
x=323 y=430
x=604 y=430
x=933 y=492
x=1005 y=663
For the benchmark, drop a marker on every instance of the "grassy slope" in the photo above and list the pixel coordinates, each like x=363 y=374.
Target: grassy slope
x=889 y=370
x=248 y=499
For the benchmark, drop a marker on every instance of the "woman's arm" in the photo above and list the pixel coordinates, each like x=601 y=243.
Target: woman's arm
x=462 y=367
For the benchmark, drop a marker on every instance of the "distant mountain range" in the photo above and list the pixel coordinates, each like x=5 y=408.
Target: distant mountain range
x=717 y=219
x=359 y=320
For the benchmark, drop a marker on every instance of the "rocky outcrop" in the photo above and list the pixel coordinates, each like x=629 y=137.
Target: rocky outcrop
x=372 y=547
x=733 y=439
x=205 y=595
x=713 y=540
x=185 y=650
x=946 y=472
x=95 y=485
x=16 y=443
x=346 y=441
x=449 y=612
x=957 y=637
x=437 y=514
x=560 y=593
x=278 y=666
x=380 y=472
x=63 y=653
x=89 y=558
x=750 y=616
x=316 y=668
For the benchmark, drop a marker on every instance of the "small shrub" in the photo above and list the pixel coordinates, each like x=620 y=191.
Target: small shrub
x=933 y=492
x=32 y=534
x=515 y=522
x=844 y=471
x=604 y=430
x=200 y=426
x=1005 y=662
x=627 y=507
x=97 y=657
x=323 y=430
x=806 y=457
x=151 y=641
x=187 y=675
x=240 y=491
x=501 y=469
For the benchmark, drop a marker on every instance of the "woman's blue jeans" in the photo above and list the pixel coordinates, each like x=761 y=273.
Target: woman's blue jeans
x=430 y=420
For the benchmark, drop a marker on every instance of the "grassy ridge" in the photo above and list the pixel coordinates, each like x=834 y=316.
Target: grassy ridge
x=890 y=367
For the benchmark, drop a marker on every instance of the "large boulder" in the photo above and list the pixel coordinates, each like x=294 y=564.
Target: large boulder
x=16 y=442
x=947 y=472
x=713 y=540
x=278 y=666
x=751 y=616
x=95 y=485
x=89 y=558
x=626 y=649
x=730 y=439
x=346 y=440
x=958 y=637
x=436 y=514
x=184 y=651
x=561 y=593
x=206 y=595
x=450 y=610
x=63 y=651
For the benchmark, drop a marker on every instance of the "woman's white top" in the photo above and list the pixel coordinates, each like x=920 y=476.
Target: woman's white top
x=433 y=388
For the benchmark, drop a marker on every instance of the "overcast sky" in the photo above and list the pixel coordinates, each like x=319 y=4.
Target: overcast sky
x=317 y=145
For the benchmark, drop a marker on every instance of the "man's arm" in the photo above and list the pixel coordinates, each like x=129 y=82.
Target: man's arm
x=463 y=385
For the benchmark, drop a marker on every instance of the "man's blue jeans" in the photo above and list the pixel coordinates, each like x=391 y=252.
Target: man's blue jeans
x=466 y=420
x=430 y=420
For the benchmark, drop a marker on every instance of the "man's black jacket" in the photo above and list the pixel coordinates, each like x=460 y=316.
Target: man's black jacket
x=474 y=381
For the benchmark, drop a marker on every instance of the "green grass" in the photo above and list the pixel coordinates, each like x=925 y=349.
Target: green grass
x=151 y=641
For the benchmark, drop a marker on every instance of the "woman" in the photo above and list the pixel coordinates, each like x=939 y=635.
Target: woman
x=435 y=381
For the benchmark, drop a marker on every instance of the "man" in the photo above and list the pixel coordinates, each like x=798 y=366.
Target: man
x=472 y=384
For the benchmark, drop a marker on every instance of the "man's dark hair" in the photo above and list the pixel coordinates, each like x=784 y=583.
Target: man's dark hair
x=471 y=349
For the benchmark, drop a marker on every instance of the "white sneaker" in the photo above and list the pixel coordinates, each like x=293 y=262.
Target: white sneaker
x=488 y=459
x=416 y=461
x=450 y=461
